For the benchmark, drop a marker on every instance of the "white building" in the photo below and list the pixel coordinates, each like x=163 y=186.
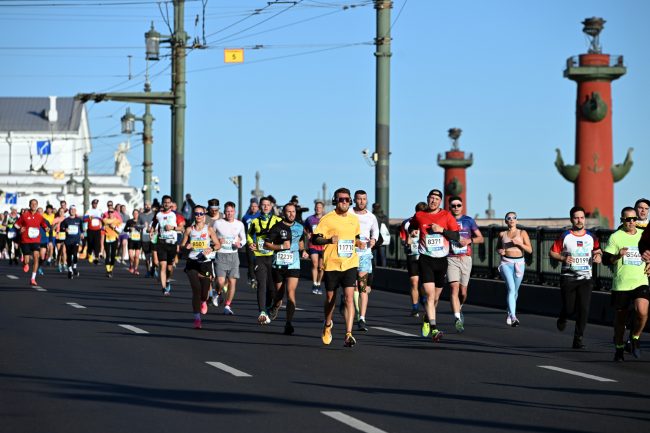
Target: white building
x=42 y=144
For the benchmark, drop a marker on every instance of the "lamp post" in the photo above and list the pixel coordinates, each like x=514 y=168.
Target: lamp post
x=237 y=181
x=128 y=127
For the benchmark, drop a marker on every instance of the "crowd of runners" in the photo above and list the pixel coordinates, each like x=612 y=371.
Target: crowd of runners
x=340 y=246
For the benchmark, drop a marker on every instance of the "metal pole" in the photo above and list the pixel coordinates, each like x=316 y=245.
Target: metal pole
x=86 y=184
x=147 y=141
x=382 y=114
x=178 y=113
x=239 y=196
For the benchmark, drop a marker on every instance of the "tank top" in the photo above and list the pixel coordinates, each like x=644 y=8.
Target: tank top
x=506 y=242
x=200 y=240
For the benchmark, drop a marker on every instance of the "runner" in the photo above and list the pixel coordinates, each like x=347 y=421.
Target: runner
x=48 y=240
x=315 y=251
x=340 y=233
x=29 y=223
x=437 y=227
x=630 y=282
x=410 y=242
x=578 y=249
x=232 y=236
x=511 y=246
x=93 y=220
x=60 y=236
x=286 y=239
x=169 y=223
x=252 y=213
x=111 y=235
x=145 y=220
x=198 y=265
x=134 y=231
x=72 y=226
x=642 y=207
x=369 y=235
x=13 y=237
x=459 y=261
x=258 y=230
x=213 y=212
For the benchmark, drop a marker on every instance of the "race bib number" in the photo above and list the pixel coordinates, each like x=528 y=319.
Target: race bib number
x=413 y=246
x=260 y=246
x=11 y=234
x=434 y=243
x=73 y=230
x=581 y=262
x=61 y=236
x=33 y=232
x=95 y=223
x=458 y=249
x=284 y=258
x=136 y=236
x=169 y=236
x=228 y=242
x=632 y=257
x=345 y=248
x=199 y=245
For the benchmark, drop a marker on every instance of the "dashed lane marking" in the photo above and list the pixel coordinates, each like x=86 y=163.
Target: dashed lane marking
x=577 y=373
x=39 y=289
x=75 y=305
x=228 y=369
x=134 y=329
x=353 y=422
x=12 y=277
x=394 y=331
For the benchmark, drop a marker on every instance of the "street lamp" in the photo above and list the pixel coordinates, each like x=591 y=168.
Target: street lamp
x=128 y=122
x=128 y=127
x=152 y=41
x=71 y=185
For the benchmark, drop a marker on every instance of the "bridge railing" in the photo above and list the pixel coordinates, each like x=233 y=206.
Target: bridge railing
x=540 y=268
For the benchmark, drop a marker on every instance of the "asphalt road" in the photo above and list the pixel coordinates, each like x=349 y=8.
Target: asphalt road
x=74 y=360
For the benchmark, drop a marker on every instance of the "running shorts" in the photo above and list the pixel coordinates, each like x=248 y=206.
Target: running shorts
x=279 y=274
x=459 y=269
x=622 y=300
x=336 y=279
x=365 y=263
x=30 y=248
x=227 y=265
x=412 y=265
x=432 y=270
x=166 y=252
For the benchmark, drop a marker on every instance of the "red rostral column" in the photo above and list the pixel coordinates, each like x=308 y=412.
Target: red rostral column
x=455 y=165
x=594 y=174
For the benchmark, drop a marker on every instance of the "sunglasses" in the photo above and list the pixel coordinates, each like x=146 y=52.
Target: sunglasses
x=511 y=218
x=199 y=213
x=454 y=206
x=629 y=219
x=344 y=199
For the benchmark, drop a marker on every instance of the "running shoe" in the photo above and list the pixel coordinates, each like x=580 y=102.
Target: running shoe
x=349 y=341
x=288 y=329
x=636 y=348
x=426 y=329
x=263 y=319
x=228 y=311
x=75 y=272
x=327 y=333
x=462 y=316
x=197 y=323
x=320 y=291
x=361 y=325
x=515 y=322
x=314 y=289
x=273 y=312
x=168 y=288
x=25 y=267
x=414 y=313
x=561 y=324
x=215 y=301
x=33 y=282
x=460 y=328
x=253 y=283
x=578 y=344
x=131 y=270
x=91 y=259
x=619 y=355
x=204 y=307
x=59 y=268
x=40 y=271
x=436 y=335
x=70 y=274
x=136 y=272
x=509 y=320
x=109 y=274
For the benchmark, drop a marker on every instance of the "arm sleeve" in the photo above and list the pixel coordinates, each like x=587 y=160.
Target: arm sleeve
x=596 y=242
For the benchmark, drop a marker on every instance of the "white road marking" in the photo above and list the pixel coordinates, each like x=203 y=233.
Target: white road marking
x=394 y=331
x=12 y=277
x=577 y=373
x=284 y=307
x=228 y=369
x=74 y=305
x=353 y=422
x=39 y=289
x=134 y=329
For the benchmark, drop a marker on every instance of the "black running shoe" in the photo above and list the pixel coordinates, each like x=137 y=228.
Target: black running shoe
x=288 y=329
x=361 y=325
x=619 y=355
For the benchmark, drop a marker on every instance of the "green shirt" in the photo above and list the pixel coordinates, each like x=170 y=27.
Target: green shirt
x=630 y=269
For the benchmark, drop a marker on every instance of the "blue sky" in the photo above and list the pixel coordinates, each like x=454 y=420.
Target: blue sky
x=301 y=109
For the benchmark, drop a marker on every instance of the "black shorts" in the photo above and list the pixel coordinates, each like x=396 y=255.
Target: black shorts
x=30 y=248
x=280 y=274
x=622 y=300
x=412 y=266
x=318 y=252
x=135 y=245
x=147 y=247
x=166 y=252
x=336 y=279
x=204 y=269
x=432 y=270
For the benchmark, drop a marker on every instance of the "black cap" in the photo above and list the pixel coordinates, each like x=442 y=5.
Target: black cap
x=435 y=192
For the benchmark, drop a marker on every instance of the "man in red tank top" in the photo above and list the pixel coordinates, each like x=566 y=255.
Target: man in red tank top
x=29 y=224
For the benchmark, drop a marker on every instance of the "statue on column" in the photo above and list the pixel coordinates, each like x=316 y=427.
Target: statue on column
x=122 y=164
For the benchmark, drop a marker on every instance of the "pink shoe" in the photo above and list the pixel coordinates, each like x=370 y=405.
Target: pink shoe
x=197 y=323
x=25 y=267
x=204 y=307
x=33 y=282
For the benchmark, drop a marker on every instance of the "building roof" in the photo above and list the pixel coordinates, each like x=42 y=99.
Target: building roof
x=28 y=114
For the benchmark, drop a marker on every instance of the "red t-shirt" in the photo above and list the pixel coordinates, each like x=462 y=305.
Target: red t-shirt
x=433 y=245
x=30 y=224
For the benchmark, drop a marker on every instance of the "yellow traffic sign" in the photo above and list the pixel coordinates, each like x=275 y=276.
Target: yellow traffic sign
x=233 y=55
x=58 y=175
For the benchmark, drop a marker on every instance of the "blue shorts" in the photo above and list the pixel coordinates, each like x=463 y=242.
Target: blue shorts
x=365 y=263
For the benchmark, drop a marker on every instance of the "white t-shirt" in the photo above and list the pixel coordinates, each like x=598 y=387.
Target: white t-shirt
x=167 y=219
x=369 y=230
x=229 y=233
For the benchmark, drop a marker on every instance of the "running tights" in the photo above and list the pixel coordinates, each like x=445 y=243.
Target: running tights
x=200 y=288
